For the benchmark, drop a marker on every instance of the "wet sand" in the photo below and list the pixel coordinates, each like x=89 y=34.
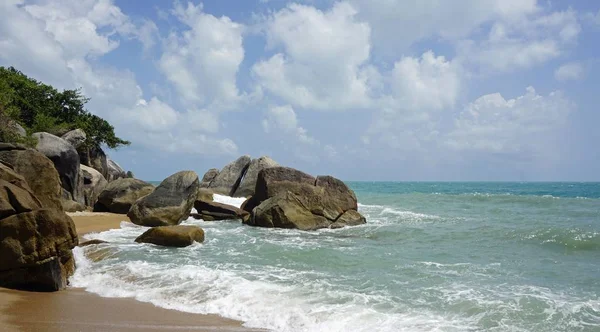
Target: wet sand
x=77 y=310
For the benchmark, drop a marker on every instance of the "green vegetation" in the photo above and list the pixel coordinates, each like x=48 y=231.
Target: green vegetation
x=40 y=107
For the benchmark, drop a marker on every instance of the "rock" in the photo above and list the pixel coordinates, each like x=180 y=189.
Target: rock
x=91 y=242
x=208 y=177
x=204 y=194
x=72 y=206
x=75 y=137
x=11 y=146
x=227 y=181
x=211 y=211
x=37 y=170
x=93 y=184
x=94 y=157
x=130 y=175
x=17 y=128
x=349 y=218
x=7 y=173
x=286 y=210
x=35 y=250
x=66 y=161
x=118 y=196
x=172 y=236
x=169 y=204
x=115 y=171
x=248 y=183
x=15 y=199
x=286 y=198
x=266 y=177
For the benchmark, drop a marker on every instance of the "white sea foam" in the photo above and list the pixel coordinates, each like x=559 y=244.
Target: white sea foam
x=235 y=201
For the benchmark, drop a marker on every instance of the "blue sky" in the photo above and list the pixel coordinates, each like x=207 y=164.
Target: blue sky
x=361 y=89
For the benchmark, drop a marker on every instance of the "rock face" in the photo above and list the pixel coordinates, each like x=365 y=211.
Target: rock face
x=37 y=170
x=35 y=250
x=211 y=211
x=35 y=242
x=169 y=204
x=172 y=236
x=266 y=179
x=72 y=206
x=75 y=137
x=119 y=195
x=93 y=184
x=66 y=161
x=96 y=158
x=287 y=198
x=248 y=183
x=228 y=180
x=208 y=177
x=204 y=194
x=115 y=171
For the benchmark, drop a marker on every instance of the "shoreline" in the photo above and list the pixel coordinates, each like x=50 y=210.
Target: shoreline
x=75 y=309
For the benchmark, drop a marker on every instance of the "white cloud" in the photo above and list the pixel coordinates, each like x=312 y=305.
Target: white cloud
x=569 y=71
x=283 y=119
x=428 y=82
x=523 y=43
x=397 y=24
x=323 y=63
x=592 y=18
x=524 y=126
x=202 y=62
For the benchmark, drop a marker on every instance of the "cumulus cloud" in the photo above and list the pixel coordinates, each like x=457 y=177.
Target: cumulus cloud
x=569 y=71
x=322 y=63
x=203 y=60
x=283 y=119
x=524 y=126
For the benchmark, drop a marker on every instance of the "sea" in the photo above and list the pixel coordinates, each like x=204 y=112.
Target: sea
x=433 y=256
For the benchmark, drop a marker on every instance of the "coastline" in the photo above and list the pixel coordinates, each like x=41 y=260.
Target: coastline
x=77 y=310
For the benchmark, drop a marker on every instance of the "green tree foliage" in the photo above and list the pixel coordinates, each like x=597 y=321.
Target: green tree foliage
x=40 y=107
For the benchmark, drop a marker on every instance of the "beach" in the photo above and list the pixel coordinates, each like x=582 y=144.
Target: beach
x=77 y=310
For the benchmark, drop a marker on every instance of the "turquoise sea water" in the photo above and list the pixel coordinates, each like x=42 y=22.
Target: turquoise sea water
x=432 y=257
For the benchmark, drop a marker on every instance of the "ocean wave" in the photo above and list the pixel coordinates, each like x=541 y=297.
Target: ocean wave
x=572 y=239
x=235 y=201
x=261 y=303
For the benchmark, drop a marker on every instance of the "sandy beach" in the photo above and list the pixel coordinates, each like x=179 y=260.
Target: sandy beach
x=78 y=310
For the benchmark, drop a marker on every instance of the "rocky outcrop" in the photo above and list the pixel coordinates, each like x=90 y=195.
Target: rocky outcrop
x=94 y=157
x=93 y=184
x=119 y=195
x=66 y=161
x=75 y=137
x=35 y=242
x=169 y=204
x=288 y=198
x=211 y=211
x=205 y=194
x=208 y=177
x=172 y=236
x=37 y=170
x=228 y=180
x=265 y=189
x=72 y=206
x=115 y=171
x=248 y=183
x=35 y=250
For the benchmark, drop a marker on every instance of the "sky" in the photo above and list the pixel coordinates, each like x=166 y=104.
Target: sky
x=372 y=90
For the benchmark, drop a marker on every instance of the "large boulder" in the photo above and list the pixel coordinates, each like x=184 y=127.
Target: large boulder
x=172 y=236
x=288 y=198
x=15 y=199
x=94 y=157
x=115 y=171
x=227 y=181
x=169 y=204
x=118 y=196
x=210 y=211
x=248 y=183
x=93 y=184
x=37 y=170
x=75 y=137
x=205 y=194
x=208 y=177
x=35 y=250
x=7 y=173
x=72 y=206
x=264 y=188
x=66 y=161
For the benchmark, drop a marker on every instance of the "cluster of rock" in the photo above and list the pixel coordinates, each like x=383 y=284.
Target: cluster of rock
x=36 y=236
